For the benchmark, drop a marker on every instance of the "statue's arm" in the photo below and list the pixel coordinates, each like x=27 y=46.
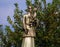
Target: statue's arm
x=35 y=14
x=24 y=22
x=35 y=10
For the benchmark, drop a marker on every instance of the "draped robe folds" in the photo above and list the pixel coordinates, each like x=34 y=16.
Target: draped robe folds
x=28 y=39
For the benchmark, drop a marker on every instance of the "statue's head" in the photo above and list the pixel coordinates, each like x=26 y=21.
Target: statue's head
x=29 y=8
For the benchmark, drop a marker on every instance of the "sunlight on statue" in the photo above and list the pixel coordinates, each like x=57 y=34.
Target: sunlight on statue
x=29 y=24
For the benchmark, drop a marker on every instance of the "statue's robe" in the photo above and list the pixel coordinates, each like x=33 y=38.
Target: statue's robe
x=28 y=39
x=30 y=29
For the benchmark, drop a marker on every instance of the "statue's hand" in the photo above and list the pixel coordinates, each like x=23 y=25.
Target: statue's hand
x=26 y=31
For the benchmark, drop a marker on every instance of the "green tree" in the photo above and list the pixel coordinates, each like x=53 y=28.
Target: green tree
x=47 y=33
x=15 y=36
x=49 y=24
x=2 y=36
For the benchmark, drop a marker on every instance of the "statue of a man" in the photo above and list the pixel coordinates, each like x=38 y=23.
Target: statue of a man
x=30 y=22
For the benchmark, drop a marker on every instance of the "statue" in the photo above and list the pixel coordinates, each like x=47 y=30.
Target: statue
x=29 y=24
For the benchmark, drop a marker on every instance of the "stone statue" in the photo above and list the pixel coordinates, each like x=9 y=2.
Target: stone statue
x=29 y=24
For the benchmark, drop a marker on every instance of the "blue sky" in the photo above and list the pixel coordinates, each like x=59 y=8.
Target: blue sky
x=7 y=9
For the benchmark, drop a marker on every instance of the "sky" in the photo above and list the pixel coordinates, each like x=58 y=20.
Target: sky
x=7 y=9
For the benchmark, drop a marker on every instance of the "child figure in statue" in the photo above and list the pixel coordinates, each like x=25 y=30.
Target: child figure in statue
x=29 y=24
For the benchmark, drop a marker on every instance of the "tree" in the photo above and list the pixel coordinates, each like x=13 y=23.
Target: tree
x=48 y=23
x=1 y=34
x=2 y=37
x=15 y=37
x=47 y=33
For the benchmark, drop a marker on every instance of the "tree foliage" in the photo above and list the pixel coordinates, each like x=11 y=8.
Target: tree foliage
x=15 y=35
x=47 y=33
